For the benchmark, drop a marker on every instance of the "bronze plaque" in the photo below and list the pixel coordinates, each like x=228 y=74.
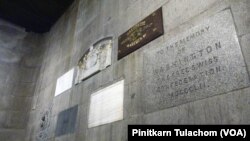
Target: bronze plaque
x=140 y=34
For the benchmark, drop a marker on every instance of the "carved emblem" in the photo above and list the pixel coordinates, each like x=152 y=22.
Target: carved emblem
x=97 y=58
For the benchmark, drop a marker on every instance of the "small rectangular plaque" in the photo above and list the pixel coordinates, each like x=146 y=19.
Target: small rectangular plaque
x=204 y=61
x=140 y=34
x=66 y=121
x=106 y=105
x=64 y=82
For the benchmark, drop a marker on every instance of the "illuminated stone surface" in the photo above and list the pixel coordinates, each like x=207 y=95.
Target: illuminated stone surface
x=204 y=61
x=106 y=105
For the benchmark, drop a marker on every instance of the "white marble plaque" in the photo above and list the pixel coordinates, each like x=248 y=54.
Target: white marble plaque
x=106 y=105
x=97 y=58
x=64 y=82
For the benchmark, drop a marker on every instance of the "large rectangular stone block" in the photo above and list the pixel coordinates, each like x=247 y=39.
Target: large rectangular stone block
x=201 y=62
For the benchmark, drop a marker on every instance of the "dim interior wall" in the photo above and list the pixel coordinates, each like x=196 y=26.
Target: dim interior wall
x=19 y=66
x=87 y=21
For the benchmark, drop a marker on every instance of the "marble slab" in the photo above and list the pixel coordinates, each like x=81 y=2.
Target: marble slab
x=64 y=82
x=106 y=105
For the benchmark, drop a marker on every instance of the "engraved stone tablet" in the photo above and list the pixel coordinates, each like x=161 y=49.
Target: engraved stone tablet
x=106 y=105
x=66 y=121
x=97 y=58
x=140 y=34
x=204 y=61
x=64 y=82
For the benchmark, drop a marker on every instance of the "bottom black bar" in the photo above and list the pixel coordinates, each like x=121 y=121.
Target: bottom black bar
x=214 y=132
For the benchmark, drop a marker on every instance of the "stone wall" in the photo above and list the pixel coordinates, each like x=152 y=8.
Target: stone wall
x=19 y=66
x=88 y=21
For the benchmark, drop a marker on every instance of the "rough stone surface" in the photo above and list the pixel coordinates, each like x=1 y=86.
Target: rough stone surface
x=245 y=42
x=17 y=80
x=203 y=61
x=93 y=20
x=240 y=11
x=30 y=64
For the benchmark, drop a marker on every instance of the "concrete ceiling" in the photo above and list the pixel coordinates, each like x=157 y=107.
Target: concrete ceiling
x=34 y=15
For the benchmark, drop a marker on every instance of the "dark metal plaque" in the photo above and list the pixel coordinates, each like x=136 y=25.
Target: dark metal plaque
x=140 y=34
x=66 y=121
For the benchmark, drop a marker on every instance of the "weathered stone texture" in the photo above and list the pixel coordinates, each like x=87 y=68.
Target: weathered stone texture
x=19 y=58
x=30 y=65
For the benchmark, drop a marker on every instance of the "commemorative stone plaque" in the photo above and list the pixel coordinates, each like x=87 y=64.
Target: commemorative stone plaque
x=66 y=121
x=204 y=61
x=106 y=105
x=64 y=82
x=140 y=34
x=97 y=58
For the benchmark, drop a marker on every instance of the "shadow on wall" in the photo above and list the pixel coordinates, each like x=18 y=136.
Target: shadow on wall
x=17 y=79
x=10 y=41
